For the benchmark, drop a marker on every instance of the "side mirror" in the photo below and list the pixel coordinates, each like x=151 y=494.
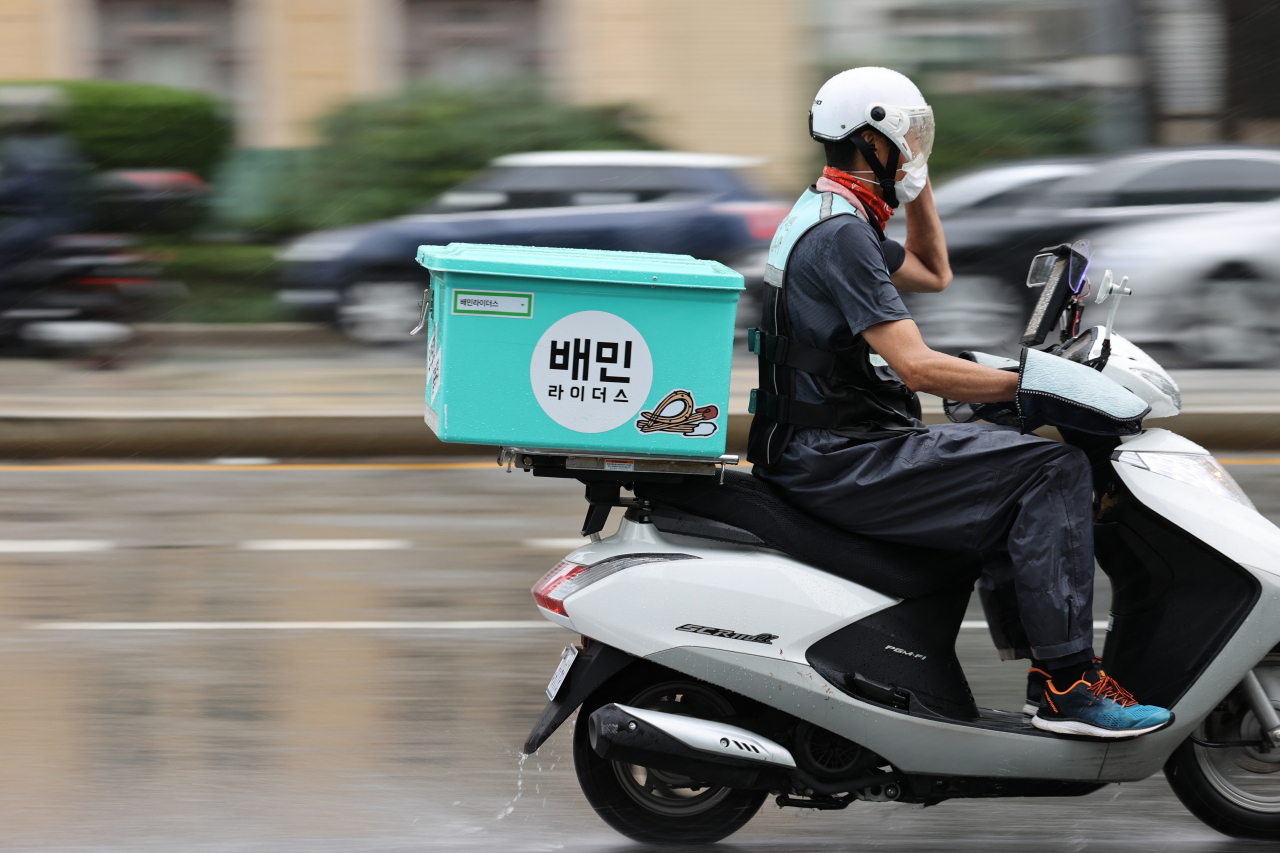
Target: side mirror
x=1107 y=289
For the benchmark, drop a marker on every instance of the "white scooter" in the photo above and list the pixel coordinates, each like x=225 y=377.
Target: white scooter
x=736 y=648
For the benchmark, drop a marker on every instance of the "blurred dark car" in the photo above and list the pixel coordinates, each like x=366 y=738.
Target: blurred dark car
x=992 y=241
x=366 y=279
x=154 y=200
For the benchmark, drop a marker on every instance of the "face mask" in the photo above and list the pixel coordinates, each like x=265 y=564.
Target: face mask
x=910 y=187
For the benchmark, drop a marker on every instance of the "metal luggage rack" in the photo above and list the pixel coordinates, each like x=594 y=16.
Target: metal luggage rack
x=605 y=475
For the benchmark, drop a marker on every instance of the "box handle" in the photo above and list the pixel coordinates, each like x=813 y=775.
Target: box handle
x=425 y=305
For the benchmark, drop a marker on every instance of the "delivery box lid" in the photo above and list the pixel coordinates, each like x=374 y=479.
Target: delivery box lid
x=587 y=265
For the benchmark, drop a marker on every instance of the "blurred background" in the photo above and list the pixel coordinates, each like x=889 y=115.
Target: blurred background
x=279 y=161
x=209 y=213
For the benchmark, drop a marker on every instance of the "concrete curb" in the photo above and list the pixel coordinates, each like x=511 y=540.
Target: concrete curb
x=325 y=435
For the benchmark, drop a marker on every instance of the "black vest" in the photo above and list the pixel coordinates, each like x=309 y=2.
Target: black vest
x=860 y=401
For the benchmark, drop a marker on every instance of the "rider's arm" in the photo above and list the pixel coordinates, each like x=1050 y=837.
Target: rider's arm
x=926 y=268
x=923 y=369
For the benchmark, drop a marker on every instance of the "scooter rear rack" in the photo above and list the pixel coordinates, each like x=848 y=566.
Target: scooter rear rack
x=606 y=475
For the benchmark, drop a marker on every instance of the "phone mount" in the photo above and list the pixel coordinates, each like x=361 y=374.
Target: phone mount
x=1060 y=273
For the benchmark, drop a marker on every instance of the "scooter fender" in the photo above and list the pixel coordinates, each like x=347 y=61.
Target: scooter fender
x=595 y=665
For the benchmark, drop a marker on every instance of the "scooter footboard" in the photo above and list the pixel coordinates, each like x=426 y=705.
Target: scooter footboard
x=912 y=744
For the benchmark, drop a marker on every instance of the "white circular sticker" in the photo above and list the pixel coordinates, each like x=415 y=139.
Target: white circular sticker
x=591 y=371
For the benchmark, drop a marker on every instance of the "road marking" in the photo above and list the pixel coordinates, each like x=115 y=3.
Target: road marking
x=53 y=546
x=283 y=466
x=326 y=545
x=339 y=466
x=339 y=626
x=555 y=544
x=293 y=626
x=979 y=623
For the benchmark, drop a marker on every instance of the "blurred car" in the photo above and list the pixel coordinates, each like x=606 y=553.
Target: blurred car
x=976 y=311
x=1208 y=287
x=991 y=243
x=1009 y=185
x=164 y=200
x=366 y=279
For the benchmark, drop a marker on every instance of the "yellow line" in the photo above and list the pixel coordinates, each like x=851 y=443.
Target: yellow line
x=332 y=466
x=1231 y=461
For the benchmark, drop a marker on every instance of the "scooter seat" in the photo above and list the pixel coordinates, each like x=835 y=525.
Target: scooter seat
x=742 y=501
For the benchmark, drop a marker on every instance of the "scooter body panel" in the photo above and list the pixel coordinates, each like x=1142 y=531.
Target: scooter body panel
x=1130 y=760
x=752 y=600
x=1239 y=533
x=1235 y=530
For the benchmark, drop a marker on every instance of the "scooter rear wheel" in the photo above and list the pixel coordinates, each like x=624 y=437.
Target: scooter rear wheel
x=1234 y=790
x=656 y=806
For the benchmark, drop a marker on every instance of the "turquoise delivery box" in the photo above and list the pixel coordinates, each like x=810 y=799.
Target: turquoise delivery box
x=574 y=349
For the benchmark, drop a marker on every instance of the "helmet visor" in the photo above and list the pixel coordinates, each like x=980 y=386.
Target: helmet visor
x=917 y=142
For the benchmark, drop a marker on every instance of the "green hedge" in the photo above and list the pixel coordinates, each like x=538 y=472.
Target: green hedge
x=136 y=126
x=387 y=157
x=974 y=130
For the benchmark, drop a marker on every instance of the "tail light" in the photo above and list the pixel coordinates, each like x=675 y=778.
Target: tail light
x=566 y=578
x=762 y=217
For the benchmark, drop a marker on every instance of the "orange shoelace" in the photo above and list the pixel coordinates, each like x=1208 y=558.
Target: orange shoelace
x=1107 y=686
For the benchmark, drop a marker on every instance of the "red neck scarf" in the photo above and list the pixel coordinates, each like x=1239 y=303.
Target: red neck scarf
x=871 y=203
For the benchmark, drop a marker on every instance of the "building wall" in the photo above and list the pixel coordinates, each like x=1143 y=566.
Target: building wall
x=44 y=39
x=716 y=75
x=730 y=76
x=307 y=56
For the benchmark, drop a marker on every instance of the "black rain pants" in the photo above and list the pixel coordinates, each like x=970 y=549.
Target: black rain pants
x=1024 y=502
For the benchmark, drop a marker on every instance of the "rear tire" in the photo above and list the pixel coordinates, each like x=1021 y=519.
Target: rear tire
x=658 y=807
x=1235 y=791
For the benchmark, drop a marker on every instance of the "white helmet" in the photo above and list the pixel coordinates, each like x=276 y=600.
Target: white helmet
x=889 y=102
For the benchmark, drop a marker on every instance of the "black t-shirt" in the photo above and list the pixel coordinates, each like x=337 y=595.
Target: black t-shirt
x=837 y=286
x=894 y=254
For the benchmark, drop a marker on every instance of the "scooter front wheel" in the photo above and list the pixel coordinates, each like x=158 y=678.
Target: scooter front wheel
x=657 y=806
x=1235 y=790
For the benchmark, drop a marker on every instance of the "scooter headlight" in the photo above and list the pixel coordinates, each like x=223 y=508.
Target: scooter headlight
x=1203 y=472
x=566 y=578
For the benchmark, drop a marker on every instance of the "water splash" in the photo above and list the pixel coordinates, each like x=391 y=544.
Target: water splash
x=511 y=806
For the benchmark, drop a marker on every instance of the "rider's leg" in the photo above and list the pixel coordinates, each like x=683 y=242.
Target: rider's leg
x=1000 y=604
x=975 y=488
x=1050 y=545
x=999 y=600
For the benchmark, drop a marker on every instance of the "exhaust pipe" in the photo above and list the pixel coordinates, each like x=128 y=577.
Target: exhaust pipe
x=714 y=753
x=703 y=750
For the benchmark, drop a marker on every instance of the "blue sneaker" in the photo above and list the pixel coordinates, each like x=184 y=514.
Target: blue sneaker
x=1097 y=707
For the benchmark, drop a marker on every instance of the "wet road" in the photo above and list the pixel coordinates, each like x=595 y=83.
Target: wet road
x=349 y=718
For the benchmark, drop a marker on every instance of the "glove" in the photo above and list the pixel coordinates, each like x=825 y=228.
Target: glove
x=1063 y=393
x=1002 y=414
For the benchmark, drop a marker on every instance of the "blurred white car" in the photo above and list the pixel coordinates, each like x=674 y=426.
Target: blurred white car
x=976 y=312
x=1006 y=185
x=1209 y=286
